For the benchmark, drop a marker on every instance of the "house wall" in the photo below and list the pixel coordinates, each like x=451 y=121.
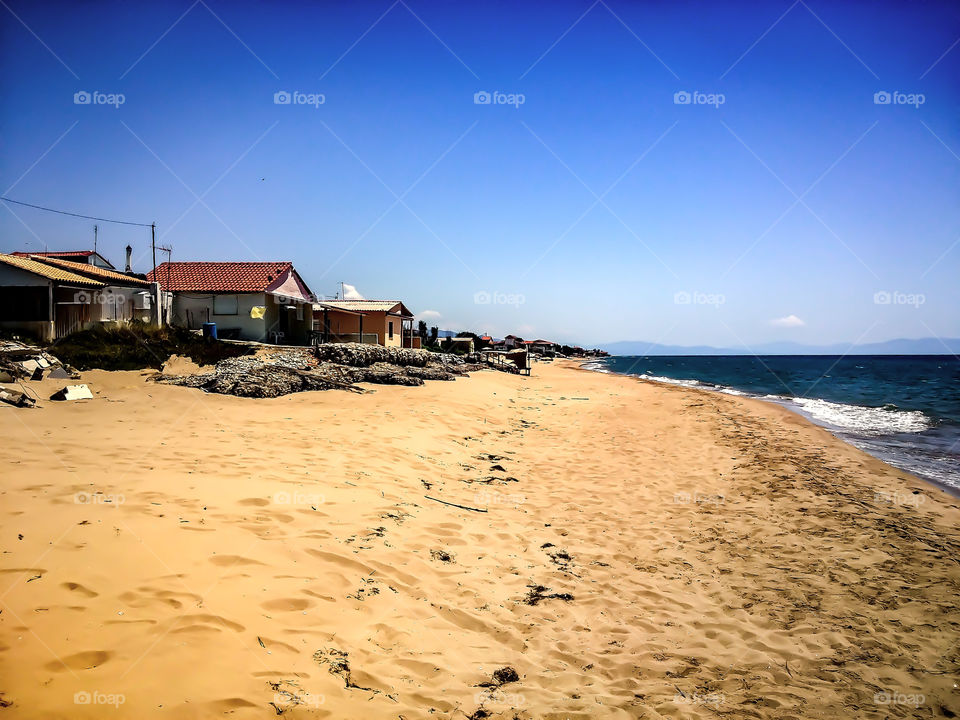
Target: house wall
x=25 y=303
x=191 y=310
x=374 y=322
x=299 y=320
x=340 y=323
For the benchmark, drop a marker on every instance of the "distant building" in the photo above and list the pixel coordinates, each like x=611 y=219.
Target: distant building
x=541 y=346
x=462 y=343
x=88 y=257
x=375 y=322
x=261 y=301
x=512 y=341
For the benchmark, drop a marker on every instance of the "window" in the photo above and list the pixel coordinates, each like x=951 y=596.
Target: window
x=226 y=305
x=390 y=328
x=299 y=311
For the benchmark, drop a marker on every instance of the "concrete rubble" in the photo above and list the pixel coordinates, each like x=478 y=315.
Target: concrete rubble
x=19 y=362
x=73 y=392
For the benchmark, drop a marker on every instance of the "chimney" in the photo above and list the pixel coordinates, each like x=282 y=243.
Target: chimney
x=129 y=253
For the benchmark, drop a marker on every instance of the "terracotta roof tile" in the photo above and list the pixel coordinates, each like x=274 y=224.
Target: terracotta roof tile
x=93 y=271
x=49 y=271
x=54 y=253
x=366 y=305
x=229 y=277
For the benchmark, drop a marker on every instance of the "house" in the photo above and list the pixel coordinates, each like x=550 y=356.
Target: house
x=260 y=301
x=540 y=346
x=88 y=257
x=462 y=343
x=50 y=298
x=512 y=341
x=375 y=322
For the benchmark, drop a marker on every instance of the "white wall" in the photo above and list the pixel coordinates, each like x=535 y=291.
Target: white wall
x=200 y=307
x=17 y=277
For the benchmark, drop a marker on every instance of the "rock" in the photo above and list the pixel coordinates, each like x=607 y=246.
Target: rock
x=332 y=366
x=430 y=373
x=362 y=355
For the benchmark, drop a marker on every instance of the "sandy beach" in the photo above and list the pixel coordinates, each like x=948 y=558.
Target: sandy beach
x=643 y=551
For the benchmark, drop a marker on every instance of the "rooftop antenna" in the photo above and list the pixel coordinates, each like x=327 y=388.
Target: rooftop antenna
x=95 y=228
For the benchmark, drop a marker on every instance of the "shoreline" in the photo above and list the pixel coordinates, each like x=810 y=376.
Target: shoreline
x=644 y=550
x=950 y=490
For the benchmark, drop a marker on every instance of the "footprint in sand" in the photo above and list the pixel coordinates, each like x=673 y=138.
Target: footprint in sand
x=86 y=660
x=259 y=502
x=286 y=604
x=201 y=622
x=77 y=587
x=230 y=560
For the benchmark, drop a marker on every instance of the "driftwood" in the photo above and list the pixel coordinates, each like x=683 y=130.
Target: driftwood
x=462 y=507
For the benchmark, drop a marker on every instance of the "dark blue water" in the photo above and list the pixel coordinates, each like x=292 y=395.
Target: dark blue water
x=904 y=409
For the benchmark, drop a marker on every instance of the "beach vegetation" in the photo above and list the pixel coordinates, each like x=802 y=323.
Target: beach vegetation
x=137 y=346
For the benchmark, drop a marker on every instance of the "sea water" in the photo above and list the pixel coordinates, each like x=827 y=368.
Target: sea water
x=903 y=409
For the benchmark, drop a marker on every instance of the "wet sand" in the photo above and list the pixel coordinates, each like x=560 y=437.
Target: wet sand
x=646 y=551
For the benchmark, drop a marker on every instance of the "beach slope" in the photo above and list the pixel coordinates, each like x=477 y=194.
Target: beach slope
x=569 y=545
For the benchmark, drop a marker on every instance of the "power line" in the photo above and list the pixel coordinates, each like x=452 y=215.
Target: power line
x=64 y=212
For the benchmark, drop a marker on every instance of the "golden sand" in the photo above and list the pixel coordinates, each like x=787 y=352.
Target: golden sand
x=646 y=551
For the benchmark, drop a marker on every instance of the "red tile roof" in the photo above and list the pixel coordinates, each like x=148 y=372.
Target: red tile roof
x=229 y=277
x=92 y=271
x=53 y=253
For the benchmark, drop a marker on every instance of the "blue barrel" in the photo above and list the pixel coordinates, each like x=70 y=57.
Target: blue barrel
x=210 y=330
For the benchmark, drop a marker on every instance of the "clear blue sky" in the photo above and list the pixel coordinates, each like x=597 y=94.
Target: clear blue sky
x=693 y=198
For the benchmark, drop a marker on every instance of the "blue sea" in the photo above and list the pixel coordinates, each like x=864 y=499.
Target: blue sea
x=903 y=409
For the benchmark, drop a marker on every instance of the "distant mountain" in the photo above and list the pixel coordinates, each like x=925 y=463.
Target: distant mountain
x=446 y=333
x=900 y=346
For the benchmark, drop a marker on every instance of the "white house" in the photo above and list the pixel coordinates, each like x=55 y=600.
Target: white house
x=262 y=301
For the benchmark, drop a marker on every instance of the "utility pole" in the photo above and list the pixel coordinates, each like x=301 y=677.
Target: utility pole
x=159 y=295
x=95 y=238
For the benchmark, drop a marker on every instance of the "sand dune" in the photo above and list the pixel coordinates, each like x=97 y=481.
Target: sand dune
x=646 y=551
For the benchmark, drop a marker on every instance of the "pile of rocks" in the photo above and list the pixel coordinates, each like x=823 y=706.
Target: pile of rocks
x=358 y=355
x=323 y=368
